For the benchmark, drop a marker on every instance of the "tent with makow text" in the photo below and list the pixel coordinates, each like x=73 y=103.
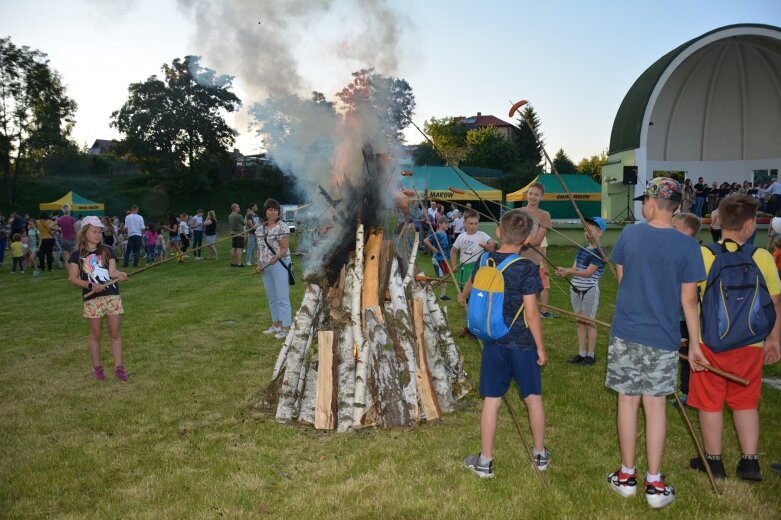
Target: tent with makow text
x=79 y=205
x=586 y=192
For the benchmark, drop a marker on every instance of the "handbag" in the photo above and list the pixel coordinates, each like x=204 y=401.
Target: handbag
x=291 y=279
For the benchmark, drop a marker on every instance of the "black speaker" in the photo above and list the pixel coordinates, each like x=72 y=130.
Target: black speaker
x=630 y=175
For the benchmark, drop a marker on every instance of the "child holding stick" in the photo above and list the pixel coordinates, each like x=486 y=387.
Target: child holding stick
x=438 y=244
x=91 y=267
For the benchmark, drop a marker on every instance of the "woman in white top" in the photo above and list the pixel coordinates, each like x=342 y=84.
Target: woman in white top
x=273 y=261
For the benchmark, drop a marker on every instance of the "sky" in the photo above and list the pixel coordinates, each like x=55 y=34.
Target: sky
x=572 y=60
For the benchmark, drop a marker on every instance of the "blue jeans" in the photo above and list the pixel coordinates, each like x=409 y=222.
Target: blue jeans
x=278 y=293
x=3 y=245
x=251 y=252
x=699 y=202
x=134 y=246
x=197 y=242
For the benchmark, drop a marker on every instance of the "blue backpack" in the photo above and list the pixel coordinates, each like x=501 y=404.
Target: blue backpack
x=736 y=308
x=484 y=314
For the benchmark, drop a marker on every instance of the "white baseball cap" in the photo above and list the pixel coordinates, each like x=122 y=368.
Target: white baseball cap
x=92 y=220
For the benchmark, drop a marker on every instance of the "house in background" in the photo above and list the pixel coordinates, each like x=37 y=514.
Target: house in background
x=505 y=129
x=101 y=147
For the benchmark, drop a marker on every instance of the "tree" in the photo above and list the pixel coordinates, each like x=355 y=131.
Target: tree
x=389 y=99
x=449 y=136
x=426 y=155
x=488 y=149
x=563 y=163
x=174 y=122
x=36 y=115
x=593 y=165
x=529 y=149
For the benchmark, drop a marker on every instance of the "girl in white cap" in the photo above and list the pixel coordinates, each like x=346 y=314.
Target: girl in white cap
x=92 y=266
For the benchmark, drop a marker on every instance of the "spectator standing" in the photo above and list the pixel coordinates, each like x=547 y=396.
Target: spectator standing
x=4 y=228
x=77 y=225
x=134 y=225
x=252 y=220
x=196 y=225
x=713 y=197
x=33 y=243
x=46 y=228
x=68 y=229
x=236 y=222
x=688 y=196
x=184 y=232
x=699 y=196
x=210 y=232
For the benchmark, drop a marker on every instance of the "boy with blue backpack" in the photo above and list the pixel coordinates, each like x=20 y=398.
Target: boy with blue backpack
x=739 y=332
x=503 y=313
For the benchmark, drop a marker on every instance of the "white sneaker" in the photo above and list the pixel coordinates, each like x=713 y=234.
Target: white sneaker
x=282 y=334
x=272 y=330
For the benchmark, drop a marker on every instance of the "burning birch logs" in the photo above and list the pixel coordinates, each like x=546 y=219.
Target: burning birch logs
x=375 y=349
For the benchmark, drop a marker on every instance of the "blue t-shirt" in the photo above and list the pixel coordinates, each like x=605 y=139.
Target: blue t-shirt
x=656 y=261
x=585 y=257
x=520 y=278
x=440 y=240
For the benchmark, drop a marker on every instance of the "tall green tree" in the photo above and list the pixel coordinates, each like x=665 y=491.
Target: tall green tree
x=529 y=148
x=593 y=165
x=36 y=115
x=389 y=99
x=172 y=123
x=563 y=163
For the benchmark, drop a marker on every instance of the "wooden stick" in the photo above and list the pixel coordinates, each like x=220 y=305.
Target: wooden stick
x=697 y=445
x=428 y=397
x=325 y=400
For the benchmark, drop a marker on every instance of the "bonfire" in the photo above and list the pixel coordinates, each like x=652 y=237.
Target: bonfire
x=369 y=345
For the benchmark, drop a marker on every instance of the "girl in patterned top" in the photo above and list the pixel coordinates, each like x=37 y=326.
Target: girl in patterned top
x=92 y=267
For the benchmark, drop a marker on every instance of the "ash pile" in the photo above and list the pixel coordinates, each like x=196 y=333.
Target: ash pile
x=369 y=346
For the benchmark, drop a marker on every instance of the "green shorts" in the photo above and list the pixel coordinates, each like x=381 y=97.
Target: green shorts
x=464 y=274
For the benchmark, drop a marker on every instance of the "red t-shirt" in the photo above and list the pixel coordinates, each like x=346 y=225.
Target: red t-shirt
x=67 y=227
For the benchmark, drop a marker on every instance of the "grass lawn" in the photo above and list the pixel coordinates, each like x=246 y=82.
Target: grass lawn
x=183 y=439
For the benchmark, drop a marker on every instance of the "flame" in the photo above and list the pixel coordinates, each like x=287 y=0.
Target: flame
x=355 y=351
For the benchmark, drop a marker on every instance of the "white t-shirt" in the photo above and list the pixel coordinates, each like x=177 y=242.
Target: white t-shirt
x=458 y=225
x=134 y=224
x=469 y=246
x=197 y=222
x=184 y=229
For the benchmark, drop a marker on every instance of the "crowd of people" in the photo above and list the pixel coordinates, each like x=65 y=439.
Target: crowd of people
x=702 y=199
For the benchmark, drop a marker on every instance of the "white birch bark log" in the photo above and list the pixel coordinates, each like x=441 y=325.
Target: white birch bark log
x=346 y=365
x=413 y=254
x=308 y=395
x=436 y=362
x=454 y=361
x=359 y=395
x=405 y=336
x=295 y=358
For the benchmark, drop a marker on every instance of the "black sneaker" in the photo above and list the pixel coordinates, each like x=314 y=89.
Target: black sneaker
x=716 y=467
x=748 y=469
x=445 y=298
x=589 y=360
x=547 y=314
x=776 y=466
x=472 y=462
x=576 y=360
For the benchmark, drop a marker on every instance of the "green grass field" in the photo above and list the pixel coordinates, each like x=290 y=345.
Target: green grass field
x=184 y=439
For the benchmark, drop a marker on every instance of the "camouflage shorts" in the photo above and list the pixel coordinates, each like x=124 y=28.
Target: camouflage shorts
x=635 y=369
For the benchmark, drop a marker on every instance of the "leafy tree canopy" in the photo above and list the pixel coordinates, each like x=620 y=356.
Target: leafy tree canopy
x=449 y=136
x=489 y=149
x=387 y=98
x=36 y=115
x=176 y=121
x=426 y=155
x=593 y=165
x=563 y=163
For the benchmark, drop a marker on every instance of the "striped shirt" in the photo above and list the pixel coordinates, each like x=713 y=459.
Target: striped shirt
x=583 y=259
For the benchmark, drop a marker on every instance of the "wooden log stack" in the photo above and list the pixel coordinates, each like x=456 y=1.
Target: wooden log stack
x=375 y=349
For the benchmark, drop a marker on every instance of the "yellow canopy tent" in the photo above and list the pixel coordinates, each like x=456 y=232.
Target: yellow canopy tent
x=77 y=203
x=586 y=192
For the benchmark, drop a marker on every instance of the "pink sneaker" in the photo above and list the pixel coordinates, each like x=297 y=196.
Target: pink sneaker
x=98 y=374
x=120 y=373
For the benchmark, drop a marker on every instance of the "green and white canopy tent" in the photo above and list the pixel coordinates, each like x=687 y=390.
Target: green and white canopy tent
x=444 y=184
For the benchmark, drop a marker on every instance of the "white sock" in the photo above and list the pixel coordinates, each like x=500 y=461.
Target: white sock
x=627 y=471
x=535 y=452
x=582 y=353
x=589 y=354
x=484 y=461
x=653 y=478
